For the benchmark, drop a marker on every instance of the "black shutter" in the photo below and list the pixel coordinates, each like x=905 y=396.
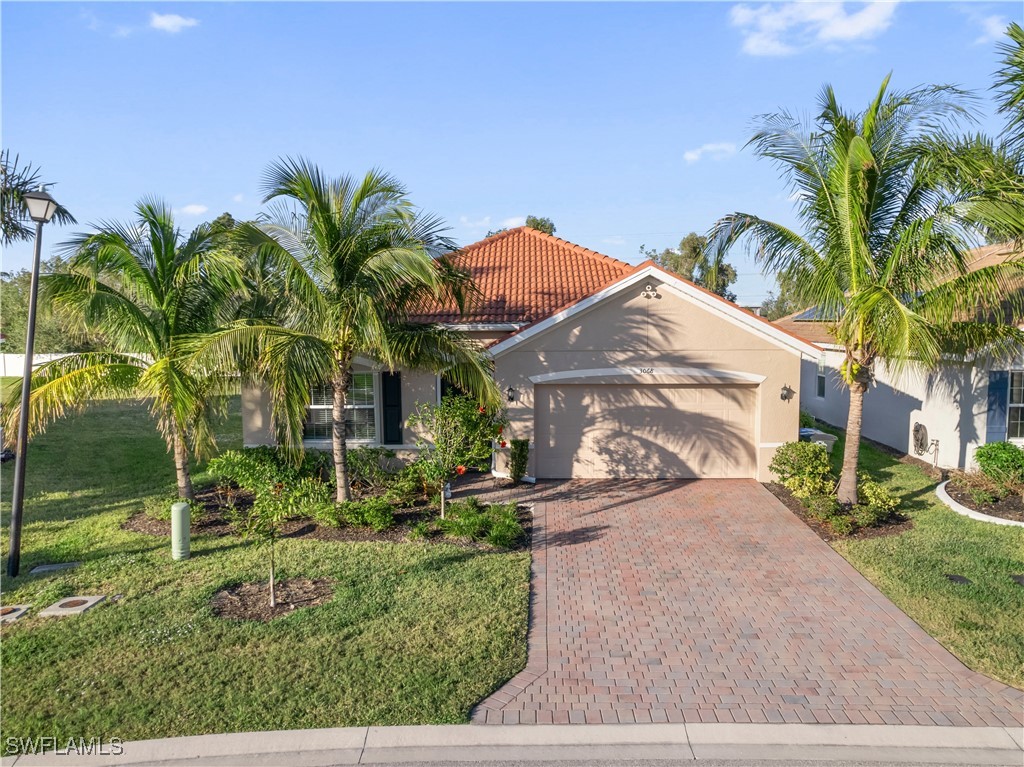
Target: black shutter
x=391 y=407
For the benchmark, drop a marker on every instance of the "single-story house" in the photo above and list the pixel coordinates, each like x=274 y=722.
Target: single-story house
x=960 y=406
x=610 y=369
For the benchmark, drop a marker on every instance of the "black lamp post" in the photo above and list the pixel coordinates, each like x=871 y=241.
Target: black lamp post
x=41 y=208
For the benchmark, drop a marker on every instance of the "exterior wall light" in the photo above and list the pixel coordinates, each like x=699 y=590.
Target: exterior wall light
x=511 y=394
x=787 y=393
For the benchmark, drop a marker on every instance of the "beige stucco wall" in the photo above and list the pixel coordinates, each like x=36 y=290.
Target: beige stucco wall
x=631 y=331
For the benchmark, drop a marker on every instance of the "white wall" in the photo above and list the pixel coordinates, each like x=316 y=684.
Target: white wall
x=952 y=404
x=14 y=364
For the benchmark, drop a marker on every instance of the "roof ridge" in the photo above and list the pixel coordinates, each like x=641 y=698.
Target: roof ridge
x=573 y=246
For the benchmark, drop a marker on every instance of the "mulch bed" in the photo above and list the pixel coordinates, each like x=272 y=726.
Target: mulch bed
x=251 y=601
x=898 y=524
x=1011 y=507
x=216 y=521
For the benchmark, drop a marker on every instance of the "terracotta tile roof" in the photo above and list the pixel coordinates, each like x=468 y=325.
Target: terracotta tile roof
x=818 y=332
x=525 y=275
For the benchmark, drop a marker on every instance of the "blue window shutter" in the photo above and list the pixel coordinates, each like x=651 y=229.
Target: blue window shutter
x=998 y=398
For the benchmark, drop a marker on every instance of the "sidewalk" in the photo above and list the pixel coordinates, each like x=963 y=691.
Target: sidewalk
x=589 y=743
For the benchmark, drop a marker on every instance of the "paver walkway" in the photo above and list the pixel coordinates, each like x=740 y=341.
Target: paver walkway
x=709 y=601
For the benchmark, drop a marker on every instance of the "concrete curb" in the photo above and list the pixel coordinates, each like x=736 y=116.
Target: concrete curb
x=462 y=743
x=959 y=508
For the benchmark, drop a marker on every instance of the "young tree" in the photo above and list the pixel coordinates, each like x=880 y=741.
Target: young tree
x=689 y=260
x=354 y=264
x=540 y=223
x=883 y=251
x=145 y=287
x=457 y=434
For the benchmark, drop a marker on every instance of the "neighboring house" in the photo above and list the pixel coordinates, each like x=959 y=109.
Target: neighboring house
x=960 y=406
x=610 y=370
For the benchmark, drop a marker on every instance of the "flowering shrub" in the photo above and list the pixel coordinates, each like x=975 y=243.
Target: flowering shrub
x=803 y=468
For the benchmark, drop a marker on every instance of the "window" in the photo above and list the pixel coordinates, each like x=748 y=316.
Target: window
x=360 y=411
x=1015 y=411
x=821 y=377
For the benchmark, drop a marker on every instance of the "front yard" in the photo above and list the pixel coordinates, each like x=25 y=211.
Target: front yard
x=979 y=622
x=415 y=633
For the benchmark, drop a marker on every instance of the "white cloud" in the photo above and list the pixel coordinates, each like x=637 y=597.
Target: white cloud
x=993 y=28
x=513 y=221
x=781 y=29
x=122 y=31
x=482 y=223
x=719 y=151
x=617 y=239
x=171 y=22
x=238 y=197
x=192 y=209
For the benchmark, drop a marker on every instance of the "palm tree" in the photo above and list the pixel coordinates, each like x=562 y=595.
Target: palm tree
x=884 y=250
x=353 y=260
x=1009 y=85
x=14 y=182
x=145 y=286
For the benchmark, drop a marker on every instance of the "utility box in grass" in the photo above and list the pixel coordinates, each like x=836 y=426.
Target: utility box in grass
x=821 y=437
x=181 y=524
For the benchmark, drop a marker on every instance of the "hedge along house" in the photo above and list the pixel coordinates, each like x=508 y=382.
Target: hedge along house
x=942 y=415
x=611 y=370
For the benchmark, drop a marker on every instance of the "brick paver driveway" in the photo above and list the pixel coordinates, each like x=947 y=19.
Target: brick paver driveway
x=709 y=601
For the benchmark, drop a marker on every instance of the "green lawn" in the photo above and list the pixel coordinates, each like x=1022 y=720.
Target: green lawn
x=416 y=633
x=981 y=623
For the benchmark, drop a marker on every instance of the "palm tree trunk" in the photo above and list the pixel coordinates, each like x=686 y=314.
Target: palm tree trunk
x=181 y=466
x=847 y=492
x=340 y=385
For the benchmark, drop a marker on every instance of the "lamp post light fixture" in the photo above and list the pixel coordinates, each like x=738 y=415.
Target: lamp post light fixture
x=41 y=208
x=510 y=393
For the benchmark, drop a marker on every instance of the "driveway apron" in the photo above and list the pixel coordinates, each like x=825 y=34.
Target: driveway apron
x=709 y=601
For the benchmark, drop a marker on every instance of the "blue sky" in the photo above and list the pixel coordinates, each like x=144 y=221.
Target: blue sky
x=624 y=123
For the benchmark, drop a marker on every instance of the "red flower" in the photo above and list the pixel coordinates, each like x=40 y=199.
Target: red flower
x=460 y=470
x=501 y=429
x=482 y=410
x=503 y=443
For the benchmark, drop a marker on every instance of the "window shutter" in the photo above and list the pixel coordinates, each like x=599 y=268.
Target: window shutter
x=998 y=397
x=391 y=407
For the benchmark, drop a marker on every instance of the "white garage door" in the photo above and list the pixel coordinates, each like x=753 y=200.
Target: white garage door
x=666 y=431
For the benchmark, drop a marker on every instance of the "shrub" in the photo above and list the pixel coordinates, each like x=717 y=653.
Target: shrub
x=822 y=507
x=519 y=456
x=807 y=421
x=372 y=467
x=370 y=512
x=841 y=524
x=803 y=468
x=465 y=519
x=876 y=505
x=505 y=530
x=259 y=468
x=420 y=531
x=498 y=524
x=1002 y=462
x=982 y=489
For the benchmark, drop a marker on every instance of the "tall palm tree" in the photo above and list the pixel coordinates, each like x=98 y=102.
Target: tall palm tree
x=15 y=180
x=884 y=248
x=354 y=261
x=1009 y=85
x=145 y=286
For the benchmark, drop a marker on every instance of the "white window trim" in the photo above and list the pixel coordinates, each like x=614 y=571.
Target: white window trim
x=1010 y=404
x=376 y=407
